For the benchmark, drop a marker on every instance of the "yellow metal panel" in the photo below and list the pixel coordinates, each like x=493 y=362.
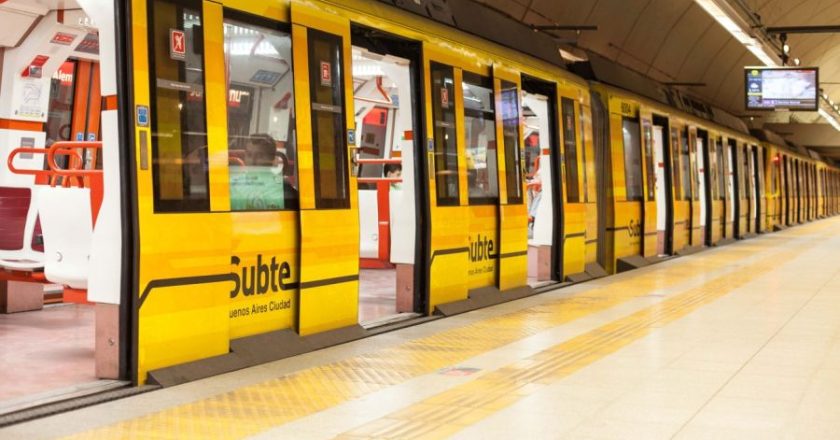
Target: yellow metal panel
x=266 y=245
x=461 y=135
x=277 y=10
x=215 y=92
x=483 y=245
x=303 y=117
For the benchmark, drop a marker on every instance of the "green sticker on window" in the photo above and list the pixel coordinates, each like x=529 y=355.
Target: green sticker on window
x=256 y=188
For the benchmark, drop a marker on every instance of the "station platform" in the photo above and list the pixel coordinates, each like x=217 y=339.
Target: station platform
x=741 y=341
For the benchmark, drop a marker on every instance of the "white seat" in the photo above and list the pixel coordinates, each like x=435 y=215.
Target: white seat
x=67 y=224
x=26 y=258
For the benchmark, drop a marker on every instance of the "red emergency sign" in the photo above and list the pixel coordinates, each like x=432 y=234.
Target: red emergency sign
x=177 y=44
x=326 y=74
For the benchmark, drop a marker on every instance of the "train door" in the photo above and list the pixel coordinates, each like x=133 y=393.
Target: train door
x=733 y=206
x=798 y=192
x=389 y=174
x=752 y=186
x=758 y=187
x=704 y=187
x=686 y=175
x=539 y=111
x=786 y=199
x=664 y=204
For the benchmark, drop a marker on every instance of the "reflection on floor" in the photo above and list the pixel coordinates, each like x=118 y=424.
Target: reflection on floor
x=377 y=293
x=46 y=350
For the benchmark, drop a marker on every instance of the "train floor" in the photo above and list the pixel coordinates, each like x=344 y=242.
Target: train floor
x=741 y=341
x=45 y=352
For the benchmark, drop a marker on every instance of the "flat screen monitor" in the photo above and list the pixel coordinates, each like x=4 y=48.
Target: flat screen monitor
x=791 y=88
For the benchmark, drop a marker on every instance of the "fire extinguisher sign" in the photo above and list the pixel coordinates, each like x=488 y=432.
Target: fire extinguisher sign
x=326 y=74
x=177 y=44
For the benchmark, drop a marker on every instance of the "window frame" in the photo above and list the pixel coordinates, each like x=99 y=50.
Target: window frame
x=182 y=206
x=514 y=177
x=571 y=174
x=277 y=26
x=342 y=156
x=640 y=197
x=444 y=198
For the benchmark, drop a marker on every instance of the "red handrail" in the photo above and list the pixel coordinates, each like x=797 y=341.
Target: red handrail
x=379 y=161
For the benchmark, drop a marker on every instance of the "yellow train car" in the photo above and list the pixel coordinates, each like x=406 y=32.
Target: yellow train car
x=263 y=127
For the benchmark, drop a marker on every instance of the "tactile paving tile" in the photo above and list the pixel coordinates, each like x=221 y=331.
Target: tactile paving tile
x=255 y=408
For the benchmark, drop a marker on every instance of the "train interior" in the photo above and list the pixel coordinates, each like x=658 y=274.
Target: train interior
x=663 y=191
x=384 y=98
x=58 y=225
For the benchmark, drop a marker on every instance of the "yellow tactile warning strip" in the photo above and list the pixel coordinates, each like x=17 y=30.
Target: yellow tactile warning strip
x=464 y=405
x=256 y=408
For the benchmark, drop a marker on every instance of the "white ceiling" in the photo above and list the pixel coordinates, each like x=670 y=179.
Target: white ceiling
x=677 y=41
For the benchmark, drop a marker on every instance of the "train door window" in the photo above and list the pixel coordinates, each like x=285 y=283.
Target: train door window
x=721 y=171
x=632 y=159
x=261 y=146
x=179 y=126
x=585 y=124
x=446 y=148
x=730 y=171
x=329 y=149
x=383 y=98
x=662 y=203
x=567 y=109
x=480 y=127
x=700 y=170
x=676 y=168
x=685 y=164
x=651 y=180
x=510 y=119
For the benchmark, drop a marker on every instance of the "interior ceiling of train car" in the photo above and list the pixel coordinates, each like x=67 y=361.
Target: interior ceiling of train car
x=679 y=42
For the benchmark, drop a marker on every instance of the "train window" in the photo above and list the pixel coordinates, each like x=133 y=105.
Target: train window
x=446 y=147
x=59 y=122
x=261 y=145
x=585 y=125
x=179 y=126
x=510 y=120
x=685 y=164
x=675 y=148
x=480 y=126
x=721 y=171
x=651 y=177
x=567 y=107
x=329 y=150
x=632 y=159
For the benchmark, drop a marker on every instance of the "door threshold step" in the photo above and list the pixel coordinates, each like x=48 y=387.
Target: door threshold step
x=388 y=320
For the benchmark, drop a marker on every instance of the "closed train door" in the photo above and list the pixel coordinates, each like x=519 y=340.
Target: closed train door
x=329 y=219
x=390 y=169
x=731 y=191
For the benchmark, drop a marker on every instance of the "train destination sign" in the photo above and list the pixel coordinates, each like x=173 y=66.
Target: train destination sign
x=781 y=88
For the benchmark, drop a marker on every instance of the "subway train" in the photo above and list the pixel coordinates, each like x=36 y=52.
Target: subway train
x=278 y=176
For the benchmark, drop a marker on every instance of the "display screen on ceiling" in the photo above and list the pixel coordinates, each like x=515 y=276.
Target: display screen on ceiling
x=781 y=88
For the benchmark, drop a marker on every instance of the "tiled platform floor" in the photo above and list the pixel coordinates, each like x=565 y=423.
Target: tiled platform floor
x=741 y=341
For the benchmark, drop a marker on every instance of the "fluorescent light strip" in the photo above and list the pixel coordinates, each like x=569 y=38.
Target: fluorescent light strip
x=831 y=120
x=752 y=44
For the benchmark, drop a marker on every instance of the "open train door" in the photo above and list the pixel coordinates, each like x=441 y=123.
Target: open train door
x=329 y=218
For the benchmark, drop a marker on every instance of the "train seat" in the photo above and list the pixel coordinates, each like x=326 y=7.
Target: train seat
x=67 y=224
x=19 y=210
